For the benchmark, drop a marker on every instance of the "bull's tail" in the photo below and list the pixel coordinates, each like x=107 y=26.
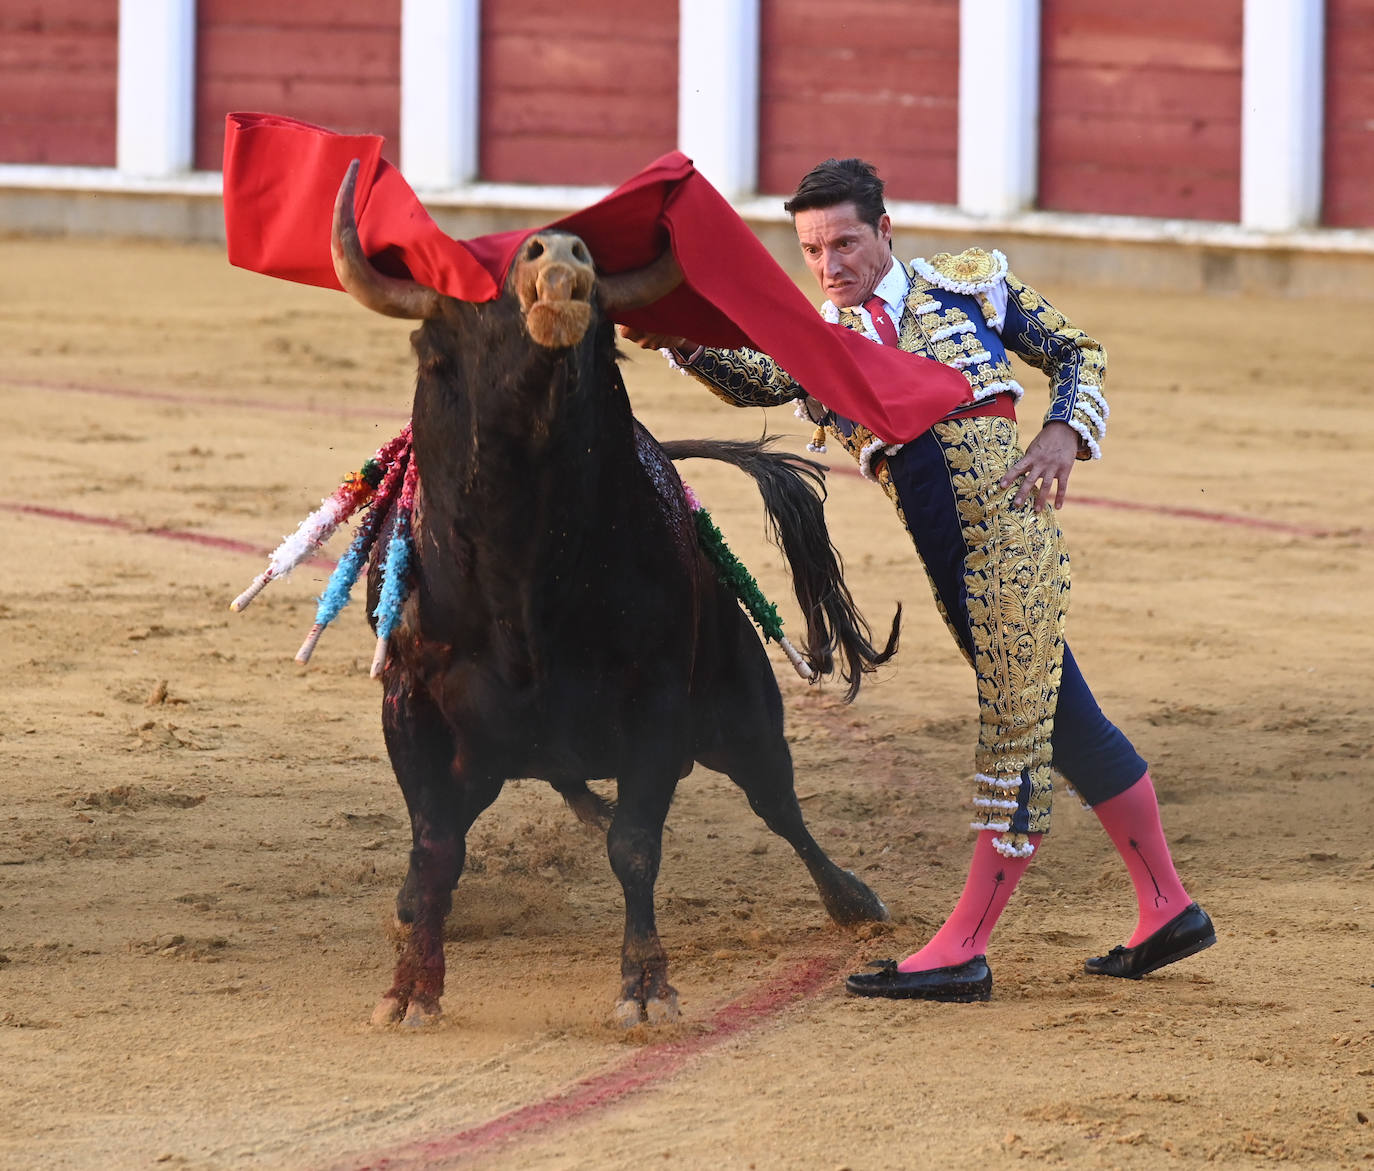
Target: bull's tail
x=793 y=490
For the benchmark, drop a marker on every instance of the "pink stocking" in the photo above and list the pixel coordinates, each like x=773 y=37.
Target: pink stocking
x=1131 y=820
x=991 y=879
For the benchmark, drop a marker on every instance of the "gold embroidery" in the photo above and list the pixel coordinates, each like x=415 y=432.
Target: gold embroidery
x=745 y=378
x=989 y=309
x=972 y=265
x=1049 y=343
x=1030 y=300
x=1016 y=579
x=989 y=372
x=1016 y=572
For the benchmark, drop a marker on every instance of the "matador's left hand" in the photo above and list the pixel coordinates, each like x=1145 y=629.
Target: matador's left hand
x=1049 y=459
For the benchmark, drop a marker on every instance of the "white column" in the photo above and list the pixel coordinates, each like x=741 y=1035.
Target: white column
x=718 y=91
x=155 y=129
x=440 y=56
x=1281 y=114
x=999 y=105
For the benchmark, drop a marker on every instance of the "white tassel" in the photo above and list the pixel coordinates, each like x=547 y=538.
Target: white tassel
x=1007 y=850
x=952 y=330
x=817 y=443
x=1010 y=386
x=1082 y=429
x=998 y=782
x=993 y=803
x=1095 y=394
x=671 y=359
x=310 y=534
x=1093 y=418
x=870 y=452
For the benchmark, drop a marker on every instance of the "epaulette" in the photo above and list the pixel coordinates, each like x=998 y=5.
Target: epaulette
x=972 y=271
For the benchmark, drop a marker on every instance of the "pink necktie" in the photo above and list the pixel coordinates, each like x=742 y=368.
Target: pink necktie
x=882 y=321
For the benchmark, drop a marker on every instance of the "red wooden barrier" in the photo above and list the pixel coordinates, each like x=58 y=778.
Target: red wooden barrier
x=874 y=78
x=1140 y=103
x=576 y=93
x=58 y=81
x=1140 y=108
x=333 y=62
x=1349 y=142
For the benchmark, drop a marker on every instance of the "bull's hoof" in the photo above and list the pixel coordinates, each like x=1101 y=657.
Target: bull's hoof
x=628 y=1013
x=422 y=1014
x=854 y=902
x=654 y=1011
x=387 y=1012
x=662 y=1010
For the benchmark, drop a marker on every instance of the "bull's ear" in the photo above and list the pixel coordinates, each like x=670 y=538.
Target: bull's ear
x=623 y=291
x=377 y=291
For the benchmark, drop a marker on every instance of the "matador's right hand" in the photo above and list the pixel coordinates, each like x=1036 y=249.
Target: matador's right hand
x=655 y=341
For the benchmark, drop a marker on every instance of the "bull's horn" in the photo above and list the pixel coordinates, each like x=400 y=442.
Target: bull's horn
x=377 y=291
x=633 y=290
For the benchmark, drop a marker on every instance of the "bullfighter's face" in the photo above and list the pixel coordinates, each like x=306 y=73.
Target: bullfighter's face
x=846 y=256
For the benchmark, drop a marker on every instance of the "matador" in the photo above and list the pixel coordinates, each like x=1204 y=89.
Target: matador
x=981 y=512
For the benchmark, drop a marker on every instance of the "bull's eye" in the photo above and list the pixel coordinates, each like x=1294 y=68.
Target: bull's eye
x=579 y=252
x=535 y=250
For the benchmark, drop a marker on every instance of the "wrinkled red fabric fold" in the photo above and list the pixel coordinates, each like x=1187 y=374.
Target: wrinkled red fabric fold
x=281 y=177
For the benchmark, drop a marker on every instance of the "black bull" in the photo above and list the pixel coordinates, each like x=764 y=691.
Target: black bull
x=563 y=622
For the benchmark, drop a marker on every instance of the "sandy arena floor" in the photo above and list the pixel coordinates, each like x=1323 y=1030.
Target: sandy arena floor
x=201 y=841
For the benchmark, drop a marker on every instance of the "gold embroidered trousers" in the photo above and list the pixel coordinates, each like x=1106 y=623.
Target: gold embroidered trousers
x=1000 y=575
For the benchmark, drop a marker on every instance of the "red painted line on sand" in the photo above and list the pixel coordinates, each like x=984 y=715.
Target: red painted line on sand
x=1199 y=514
x=185 y=400
x=1226 y=518
x=643 y=1070
x=125 y=526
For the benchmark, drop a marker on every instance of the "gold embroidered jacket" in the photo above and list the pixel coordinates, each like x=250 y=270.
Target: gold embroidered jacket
x=965 y=310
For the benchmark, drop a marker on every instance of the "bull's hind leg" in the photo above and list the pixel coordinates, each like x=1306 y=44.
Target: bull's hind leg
x=740 y=733
x=634 y=843
x=763 y=769
x=443 y=803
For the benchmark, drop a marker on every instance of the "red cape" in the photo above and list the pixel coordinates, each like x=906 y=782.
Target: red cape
x=281 y=177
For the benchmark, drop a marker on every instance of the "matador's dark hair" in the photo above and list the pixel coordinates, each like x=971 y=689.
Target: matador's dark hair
x=841 y=181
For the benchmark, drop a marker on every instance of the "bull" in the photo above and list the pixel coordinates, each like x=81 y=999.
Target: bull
x=563 y=621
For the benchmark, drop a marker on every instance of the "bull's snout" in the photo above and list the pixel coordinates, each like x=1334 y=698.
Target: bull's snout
x=557 y=282
x=554 y=278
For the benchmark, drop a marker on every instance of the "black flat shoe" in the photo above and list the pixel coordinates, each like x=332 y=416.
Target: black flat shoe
x=1187 y=934
x=960 y=983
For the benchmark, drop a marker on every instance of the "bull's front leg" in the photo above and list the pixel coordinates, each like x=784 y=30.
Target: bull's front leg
x=436 y=861
x=634 y=843
x=443 y=802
